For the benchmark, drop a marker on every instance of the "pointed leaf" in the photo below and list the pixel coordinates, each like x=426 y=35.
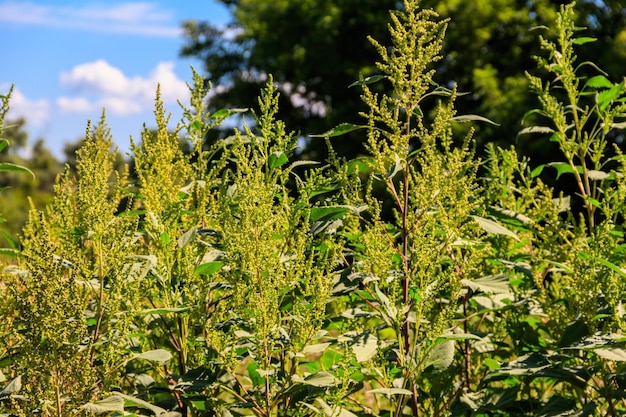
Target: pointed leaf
x=339 y=130
x=156 y=355
x=12 y=387
x=10 y=167
x=491 y=284
x=368 y=80
x=441 y=356
x=492 y=227
x=612 y=354
x=137 y=402
x=472 y=118
x=107 y=405
x=583 y=40
x=187 y=237
x=599 y=81
x=277 y=159
x=317 y=348
x=536 y=129
x=208 y=268
x=320 y=379
x=364 y=345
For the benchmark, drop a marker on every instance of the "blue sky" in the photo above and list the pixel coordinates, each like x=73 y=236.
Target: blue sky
x=69 y=59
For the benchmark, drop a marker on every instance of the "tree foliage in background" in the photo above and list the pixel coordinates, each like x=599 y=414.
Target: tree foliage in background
x=316 y=49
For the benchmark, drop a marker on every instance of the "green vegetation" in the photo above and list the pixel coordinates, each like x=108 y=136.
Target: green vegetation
x=417 y=279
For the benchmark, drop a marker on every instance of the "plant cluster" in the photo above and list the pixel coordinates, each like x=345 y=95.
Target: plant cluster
x=416 y=280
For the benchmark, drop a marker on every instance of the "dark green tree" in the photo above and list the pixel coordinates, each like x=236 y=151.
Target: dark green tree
x=316 y=48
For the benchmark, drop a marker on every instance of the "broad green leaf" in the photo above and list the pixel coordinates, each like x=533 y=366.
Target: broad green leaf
x=390 y=391
x=187 y=237
x=3 y=144
x=368 y=80
x=612 y=354
x=339 y=130
x=131 y=401
x=472 y=118
x=492 y=227
x=107 y=405
x=10 y=167
x=12 y=387
x=441 y=356
x=607 y=96
x=277 y=159
x=319 y=379
x=599 y=81
x=327 y=213
x=524 y=365
x=491 y=284
x=156 y=355
x=317 y=348
x=208 y=268
x=363 y=344
x=537 y=171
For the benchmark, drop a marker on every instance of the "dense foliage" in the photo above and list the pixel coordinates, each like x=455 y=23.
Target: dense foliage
x=315 y=49
x=417 y=279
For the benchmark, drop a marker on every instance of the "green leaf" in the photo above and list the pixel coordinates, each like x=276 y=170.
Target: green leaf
x=492 y=227
x=12 y=387
x=277 y=159
x=208 y=268
x=491 y=284
x=131 y=401
x=317 y=348
x=339 y=130
x=222 y=114
x=599 y=81
x=156 y=355
x=327 y=213
x=187 y=237
x=318 y=379
x=107 y=405
x=584 y=39
x=10 y=167
x=368 y=80
x=441 y=356
x=363 y=344
x=607 y=96
x=472 y=118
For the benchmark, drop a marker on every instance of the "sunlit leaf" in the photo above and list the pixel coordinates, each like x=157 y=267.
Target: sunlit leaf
x=472 y=118
x=536 y=129
x=612 y=354
x=363 y=344
x=368 y=80
x=107 y=405
x=492 y=227
x=599 y=81
x=491 y=284
x=156 y=355
x=441 y=356
x=208 y=268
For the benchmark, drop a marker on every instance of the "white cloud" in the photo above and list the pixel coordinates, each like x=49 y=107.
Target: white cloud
x=36 y=112
x=138 y=18
x=101 y=85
